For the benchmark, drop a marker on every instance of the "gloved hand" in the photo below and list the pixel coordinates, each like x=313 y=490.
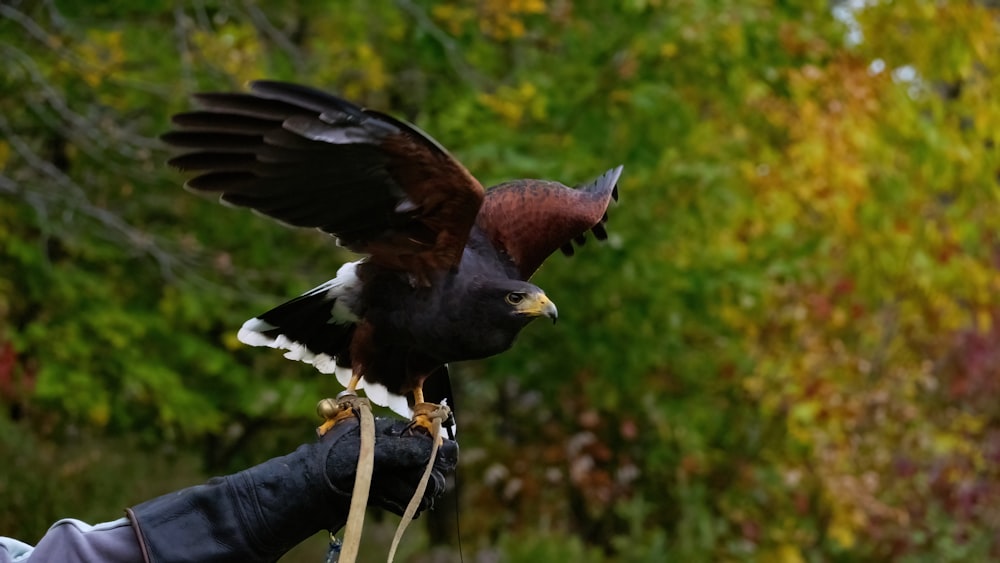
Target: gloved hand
x=258 y=514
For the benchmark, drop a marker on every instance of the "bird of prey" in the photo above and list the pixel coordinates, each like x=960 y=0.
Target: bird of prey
x=446 y=267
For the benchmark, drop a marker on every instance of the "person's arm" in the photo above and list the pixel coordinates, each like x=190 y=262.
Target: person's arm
x=255 y=515
x=73 y=541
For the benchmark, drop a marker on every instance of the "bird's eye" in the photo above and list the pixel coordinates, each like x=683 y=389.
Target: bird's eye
x=514 y=297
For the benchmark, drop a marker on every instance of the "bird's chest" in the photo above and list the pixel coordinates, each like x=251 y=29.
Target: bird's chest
x=469 y=336
x=437 y=321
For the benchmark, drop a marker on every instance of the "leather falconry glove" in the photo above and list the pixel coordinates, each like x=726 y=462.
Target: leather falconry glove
x=258 y=514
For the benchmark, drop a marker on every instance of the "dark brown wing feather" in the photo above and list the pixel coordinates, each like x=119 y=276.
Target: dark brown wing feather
x=529 y=219
x=310 y=159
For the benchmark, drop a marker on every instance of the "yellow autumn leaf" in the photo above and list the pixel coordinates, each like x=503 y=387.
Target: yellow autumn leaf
x=4 y=154
x=784 y=553
x=99 y=414
x=231 y=342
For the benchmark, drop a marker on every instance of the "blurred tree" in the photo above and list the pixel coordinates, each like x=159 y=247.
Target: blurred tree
x=785 y=352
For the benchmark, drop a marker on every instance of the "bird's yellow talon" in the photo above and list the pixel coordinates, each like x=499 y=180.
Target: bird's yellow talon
x=424 y=417
x=334 y=411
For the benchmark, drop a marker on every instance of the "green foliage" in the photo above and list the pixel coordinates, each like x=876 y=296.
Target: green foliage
x=87 y=477
x=785 y=352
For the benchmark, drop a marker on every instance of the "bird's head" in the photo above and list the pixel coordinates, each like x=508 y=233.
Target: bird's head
x=530 y=302
x=514 y=302
x=492 y=312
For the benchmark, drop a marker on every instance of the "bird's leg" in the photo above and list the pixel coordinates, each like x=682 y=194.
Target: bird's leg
x=352 y=385
x=343 y=407
x=428 y=416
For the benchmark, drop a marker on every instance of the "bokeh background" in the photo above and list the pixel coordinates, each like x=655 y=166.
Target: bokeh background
x=788 y=350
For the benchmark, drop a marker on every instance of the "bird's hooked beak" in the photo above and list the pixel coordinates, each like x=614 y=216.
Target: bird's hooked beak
x=538 y=305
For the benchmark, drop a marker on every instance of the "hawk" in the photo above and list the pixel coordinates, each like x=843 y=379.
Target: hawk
x=446 y=267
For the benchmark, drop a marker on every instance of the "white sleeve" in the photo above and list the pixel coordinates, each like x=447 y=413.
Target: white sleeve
x=73 y=541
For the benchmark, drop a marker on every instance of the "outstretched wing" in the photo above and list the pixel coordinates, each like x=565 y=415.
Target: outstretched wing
x=310 y=159
x=529 y=219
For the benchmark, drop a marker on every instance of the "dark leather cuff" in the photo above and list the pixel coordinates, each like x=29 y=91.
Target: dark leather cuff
x=253 y=516
x=257 y=515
